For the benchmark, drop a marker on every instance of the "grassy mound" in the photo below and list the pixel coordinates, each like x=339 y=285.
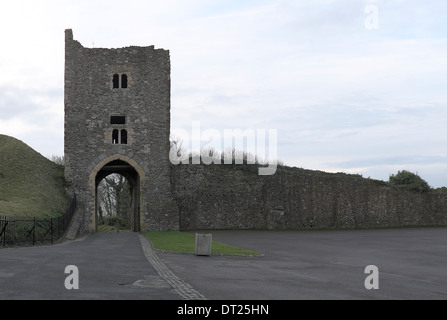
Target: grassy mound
x=30 y=184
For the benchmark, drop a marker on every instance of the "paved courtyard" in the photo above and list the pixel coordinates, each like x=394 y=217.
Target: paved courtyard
x=412 y=264
x=111 y=267
x=294 y=266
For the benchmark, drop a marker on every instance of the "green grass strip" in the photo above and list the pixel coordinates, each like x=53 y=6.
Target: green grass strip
x=185 y=242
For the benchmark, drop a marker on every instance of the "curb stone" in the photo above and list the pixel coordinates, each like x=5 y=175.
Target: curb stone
x=261 y=255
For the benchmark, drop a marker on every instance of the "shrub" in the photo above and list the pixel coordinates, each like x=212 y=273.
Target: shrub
x=441 y=190
x=410 y=180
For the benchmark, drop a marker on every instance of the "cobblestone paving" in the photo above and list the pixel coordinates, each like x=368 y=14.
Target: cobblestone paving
x=186 y=291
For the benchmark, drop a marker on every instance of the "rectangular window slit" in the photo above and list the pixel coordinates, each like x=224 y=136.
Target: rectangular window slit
x=117 y=120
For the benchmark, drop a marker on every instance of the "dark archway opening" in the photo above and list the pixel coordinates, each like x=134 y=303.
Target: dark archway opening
x=124 y=81
x=118 y=197
x=123 y=136
x=115 y=136
x=116 y=81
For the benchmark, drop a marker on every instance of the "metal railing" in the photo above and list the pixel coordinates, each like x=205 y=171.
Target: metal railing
x=22 y=231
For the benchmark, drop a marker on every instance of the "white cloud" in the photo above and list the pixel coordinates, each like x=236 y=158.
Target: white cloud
x=336 y=92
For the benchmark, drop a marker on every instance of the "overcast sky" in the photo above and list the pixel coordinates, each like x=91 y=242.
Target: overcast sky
x=354 y=86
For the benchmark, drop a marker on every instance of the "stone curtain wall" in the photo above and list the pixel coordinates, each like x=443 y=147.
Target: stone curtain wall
x=235 y=197
x=218 y=197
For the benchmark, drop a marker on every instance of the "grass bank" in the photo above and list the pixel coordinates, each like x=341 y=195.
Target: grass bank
x=30 y=184
x=185 y=243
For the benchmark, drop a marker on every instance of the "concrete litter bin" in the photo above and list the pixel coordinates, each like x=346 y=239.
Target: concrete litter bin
x=203 y=244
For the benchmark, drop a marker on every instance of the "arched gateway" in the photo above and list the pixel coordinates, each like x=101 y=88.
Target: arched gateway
x=117 y=120
x=134 y=174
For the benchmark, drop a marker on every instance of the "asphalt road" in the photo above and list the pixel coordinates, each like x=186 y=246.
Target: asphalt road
x=412 y=264
x=295 y=266
x=110 y=267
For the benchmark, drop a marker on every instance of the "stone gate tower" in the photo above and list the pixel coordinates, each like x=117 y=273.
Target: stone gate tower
x=117 y=120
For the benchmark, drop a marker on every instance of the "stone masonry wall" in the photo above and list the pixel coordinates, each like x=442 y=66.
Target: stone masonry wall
x=199 y=196
x=232 y=197
x=90 y=102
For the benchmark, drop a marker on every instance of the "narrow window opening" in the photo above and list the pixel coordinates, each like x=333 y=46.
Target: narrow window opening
x=123 y=136
x=117 y=120
x=124 y=81
x=116 y=81
x=115 y=137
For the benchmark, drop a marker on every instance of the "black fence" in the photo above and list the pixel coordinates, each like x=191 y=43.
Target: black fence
x=23 y=232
